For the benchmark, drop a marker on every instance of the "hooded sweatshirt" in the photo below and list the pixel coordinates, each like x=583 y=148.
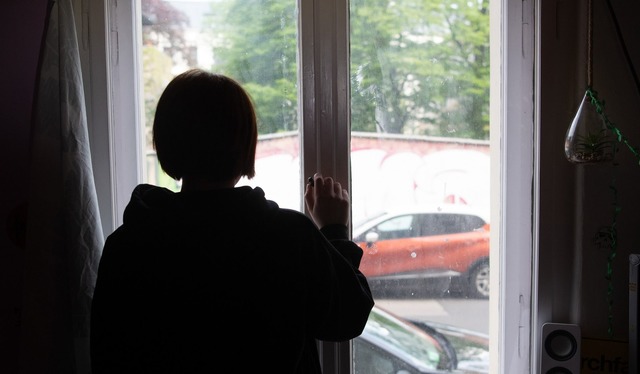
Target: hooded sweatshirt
x=222 y=281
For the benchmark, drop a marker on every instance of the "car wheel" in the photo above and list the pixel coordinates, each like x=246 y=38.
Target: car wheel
x=478 y=286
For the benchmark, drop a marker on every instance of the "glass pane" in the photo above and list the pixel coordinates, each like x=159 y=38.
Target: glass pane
x=420 y=170
x=254 y=42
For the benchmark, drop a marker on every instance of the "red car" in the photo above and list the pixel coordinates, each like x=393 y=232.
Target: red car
x=448 y=242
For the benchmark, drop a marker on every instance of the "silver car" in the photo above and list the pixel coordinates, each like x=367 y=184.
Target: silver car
x=392 y=345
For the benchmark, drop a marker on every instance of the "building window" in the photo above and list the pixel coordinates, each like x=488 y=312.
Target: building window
x=396 y=99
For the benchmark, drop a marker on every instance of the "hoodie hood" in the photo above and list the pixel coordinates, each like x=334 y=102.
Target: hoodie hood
x=154 y=206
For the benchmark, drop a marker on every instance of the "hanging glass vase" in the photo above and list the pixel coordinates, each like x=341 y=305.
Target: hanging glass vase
x=588 y=140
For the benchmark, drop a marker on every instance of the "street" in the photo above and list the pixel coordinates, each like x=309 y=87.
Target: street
x=472 y=314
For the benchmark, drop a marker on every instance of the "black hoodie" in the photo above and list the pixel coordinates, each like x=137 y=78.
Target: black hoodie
x=222 y=281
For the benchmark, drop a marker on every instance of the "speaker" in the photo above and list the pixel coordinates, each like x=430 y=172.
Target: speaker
x=560 y=351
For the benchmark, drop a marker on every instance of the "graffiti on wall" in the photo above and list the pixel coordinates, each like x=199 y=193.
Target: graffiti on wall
x=385 y=177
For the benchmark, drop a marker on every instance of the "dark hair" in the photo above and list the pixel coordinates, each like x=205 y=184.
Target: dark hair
x=205 y=126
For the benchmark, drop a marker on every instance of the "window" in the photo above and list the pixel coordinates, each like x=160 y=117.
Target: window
x=396 y=228
x=380 y=83
x=440 y=224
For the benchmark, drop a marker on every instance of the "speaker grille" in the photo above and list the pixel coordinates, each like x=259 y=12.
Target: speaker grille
x=561 y=345
x=560 y=351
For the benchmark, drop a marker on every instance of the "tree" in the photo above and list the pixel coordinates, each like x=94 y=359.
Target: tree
x=257 y=46
x=420 y=67
x=163 y=27
x=163 y=45
x=417 y=66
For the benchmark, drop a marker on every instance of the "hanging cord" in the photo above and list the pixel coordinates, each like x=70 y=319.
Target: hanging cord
x=589 y=44
x=624 y=46
x=599 y=105
x=608 y=236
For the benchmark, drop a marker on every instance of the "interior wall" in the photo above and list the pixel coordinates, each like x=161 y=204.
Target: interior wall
x=21 y=28
x=577 y=201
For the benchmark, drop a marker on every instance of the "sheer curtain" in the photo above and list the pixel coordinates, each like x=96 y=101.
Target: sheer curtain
x=64 y=234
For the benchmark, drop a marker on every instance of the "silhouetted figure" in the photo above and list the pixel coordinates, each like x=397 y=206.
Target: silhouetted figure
x=216 y=278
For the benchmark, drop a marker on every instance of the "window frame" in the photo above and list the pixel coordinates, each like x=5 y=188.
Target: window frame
x=108 y=31
x=514 y=167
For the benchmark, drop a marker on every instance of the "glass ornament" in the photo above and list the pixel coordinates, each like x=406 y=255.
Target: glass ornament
x=588 y=139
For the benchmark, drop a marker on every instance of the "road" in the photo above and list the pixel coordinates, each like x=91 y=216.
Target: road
x=470 y=314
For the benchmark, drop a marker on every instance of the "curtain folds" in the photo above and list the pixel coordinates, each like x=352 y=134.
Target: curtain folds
x=64 y=232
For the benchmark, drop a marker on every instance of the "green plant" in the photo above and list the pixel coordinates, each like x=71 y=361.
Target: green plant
x=594 y=146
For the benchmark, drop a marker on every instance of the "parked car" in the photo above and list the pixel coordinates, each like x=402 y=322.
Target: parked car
x=471 y=347
x=390 y=344
x=450 y=242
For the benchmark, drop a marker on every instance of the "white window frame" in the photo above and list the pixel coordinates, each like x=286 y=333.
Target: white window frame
x=514 y=181
x=109 y=35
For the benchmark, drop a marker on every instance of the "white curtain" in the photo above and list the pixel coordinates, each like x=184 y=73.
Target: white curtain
x=64 y=234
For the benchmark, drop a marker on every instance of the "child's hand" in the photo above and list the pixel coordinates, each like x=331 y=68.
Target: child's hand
x=327 y=202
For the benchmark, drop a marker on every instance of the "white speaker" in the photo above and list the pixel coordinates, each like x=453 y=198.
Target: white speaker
x=560 y=351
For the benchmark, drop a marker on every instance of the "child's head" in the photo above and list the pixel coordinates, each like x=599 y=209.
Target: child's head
x=205 y=127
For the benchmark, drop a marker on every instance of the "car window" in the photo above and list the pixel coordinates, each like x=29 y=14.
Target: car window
x=471 y=223
x=392 y=345
x=441 y=224
x=369 y=359
x=396 y=228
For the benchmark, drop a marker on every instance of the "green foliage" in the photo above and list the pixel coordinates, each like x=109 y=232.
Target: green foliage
x=156 y=70
x=417 y=66
x=257 y=46
x=423 y=64
x=594 y=143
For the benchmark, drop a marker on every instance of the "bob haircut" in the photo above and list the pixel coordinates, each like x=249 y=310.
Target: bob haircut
x=205 y=126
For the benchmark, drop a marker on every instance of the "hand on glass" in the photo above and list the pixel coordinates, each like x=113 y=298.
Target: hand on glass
x=326 y=200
